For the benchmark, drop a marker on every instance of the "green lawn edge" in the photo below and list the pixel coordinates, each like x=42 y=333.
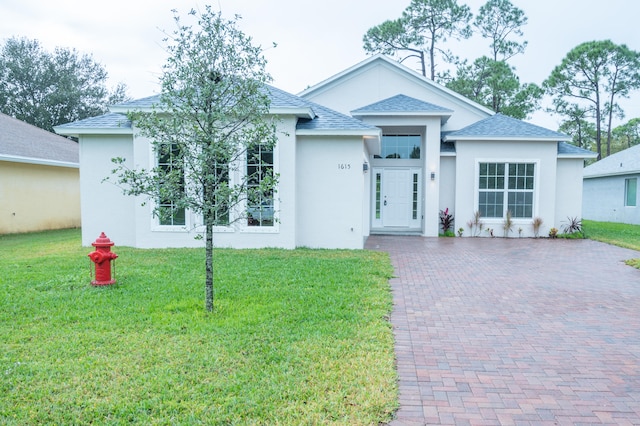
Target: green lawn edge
x=618 y=234
x=297 y=336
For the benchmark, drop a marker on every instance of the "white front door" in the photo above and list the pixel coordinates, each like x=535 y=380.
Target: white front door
x=397 y=201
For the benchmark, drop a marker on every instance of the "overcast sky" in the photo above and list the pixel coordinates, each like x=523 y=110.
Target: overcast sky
x=315 y=39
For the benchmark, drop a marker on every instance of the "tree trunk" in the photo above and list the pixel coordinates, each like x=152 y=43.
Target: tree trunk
x=209 y=267
x=598 y=125
x=432 y=55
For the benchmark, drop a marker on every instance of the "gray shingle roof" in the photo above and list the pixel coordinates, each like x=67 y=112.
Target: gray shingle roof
x=620 y=163
x=500 y=126
x=567 y=149
x=402 y=104
x=20 y=139
x=325 y=119
x=110 y=120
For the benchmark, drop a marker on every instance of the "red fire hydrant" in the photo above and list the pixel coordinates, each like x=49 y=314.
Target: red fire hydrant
x=102 y=257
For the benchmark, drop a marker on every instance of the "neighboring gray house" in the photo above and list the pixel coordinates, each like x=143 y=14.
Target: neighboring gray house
x=610 y=188
x=39 y=179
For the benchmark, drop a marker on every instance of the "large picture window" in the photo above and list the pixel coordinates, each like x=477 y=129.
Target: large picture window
x=630 y=192
x=260 y=206
x=170 y=164
x=506 y=187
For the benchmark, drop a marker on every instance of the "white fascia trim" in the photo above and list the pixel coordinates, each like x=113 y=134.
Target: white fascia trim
x=77 y=132
x=577 y=156
x=448 y=154
x=617 y=174
x=329 y=132
x=504 y=139
x=402 y=114
x=38 y=161
x=298 y=112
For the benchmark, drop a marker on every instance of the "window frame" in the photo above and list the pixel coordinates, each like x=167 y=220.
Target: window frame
x=260 y=166
x=399 y=134
x=157 y=224
x=505 y=190
x=627 y=181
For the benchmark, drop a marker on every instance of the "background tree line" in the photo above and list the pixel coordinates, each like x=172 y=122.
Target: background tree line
x=50 y=88
x=584 y=88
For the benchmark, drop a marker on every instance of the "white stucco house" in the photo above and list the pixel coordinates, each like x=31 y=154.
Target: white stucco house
x=377 y=148
x=610 y=189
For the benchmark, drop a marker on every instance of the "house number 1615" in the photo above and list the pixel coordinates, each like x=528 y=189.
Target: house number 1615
x=344 y=166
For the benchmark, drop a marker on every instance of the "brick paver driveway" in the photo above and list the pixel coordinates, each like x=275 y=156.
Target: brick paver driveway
x=514 y=331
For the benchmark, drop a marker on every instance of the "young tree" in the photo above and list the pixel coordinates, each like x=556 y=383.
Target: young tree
x=500 y=21
x=46 y=89
x=495 y=85
x=592 y=77
x=423 y=27
x=211 y=121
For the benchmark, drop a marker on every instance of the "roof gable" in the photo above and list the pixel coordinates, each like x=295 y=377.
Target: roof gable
x=502 y=127
x=23 y=142
x=624 y=162
x=398 y=69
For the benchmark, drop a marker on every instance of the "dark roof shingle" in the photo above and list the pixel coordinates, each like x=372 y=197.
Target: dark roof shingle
x=324 y=119
x=402 y=104
x=20 y=139
x=500 y=126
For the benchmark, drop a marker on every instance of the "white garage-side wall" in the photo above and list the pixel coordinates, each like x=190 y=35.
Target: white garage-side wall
x=468 y=156
x=569 y=192
x=604 y=200
x=104 y=207
x=330 y=198
x=448 y=189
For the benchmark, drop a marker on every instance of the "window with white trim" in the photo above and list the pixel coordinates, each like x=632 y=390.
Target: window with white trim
x=506 y=187
x=170 y=164
x=630 y=192
x=260 y=205
x=401 y=147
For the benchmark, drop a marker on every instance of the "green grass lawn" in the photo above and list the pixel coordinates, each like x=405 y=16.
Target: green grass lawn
x=297 y=337
x=619 y=234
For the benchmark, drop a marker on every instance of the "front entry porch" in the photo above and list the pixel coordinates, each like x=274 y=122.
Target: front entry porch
x=397 y=200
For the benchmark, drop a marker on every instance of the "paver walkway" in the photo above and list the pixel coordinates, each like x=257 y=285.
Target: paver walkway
x=514 y=331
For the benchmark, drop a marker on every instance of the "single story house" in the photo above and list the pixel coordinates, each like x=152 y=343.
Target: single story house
x=610 y=188
x=39 y=179
x=377 y=148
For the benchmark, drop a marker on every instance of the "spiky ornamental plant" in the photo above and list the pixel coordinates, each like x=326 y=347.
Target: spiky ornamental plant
x=213 y=111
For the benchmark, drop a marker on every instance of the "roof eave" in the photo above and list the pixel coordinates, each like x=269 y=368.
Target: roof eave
x=338 y=132
x=504 y=139
x=298 y=112
x=600 y=175
x=444 y=117
x=79 y=131
x=578 y=156
x=38 y=161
